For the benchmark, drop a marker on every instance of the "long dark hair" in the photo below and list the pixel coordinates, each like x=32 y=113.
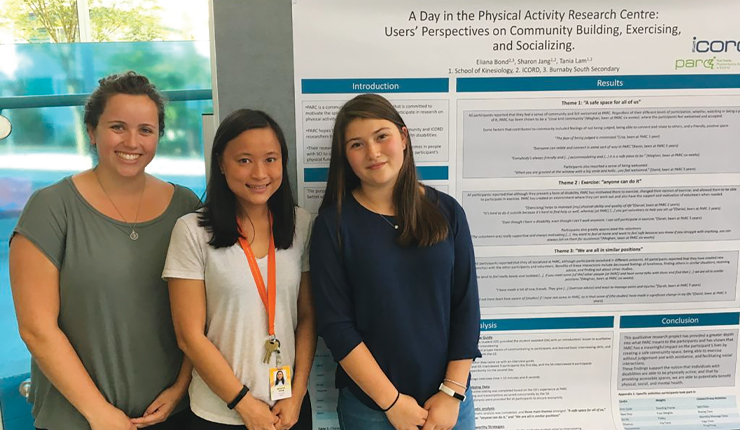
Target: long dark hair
x=420 y=219
x=220 y=208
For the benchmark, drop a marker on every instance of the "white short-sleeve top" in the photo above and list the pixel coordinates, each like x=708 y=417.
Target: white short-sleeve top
x=236 y=319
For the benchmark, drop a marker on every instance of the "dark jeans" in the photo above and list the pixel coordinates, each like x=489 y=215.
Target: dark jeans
x=177 y=421
x=304 y=420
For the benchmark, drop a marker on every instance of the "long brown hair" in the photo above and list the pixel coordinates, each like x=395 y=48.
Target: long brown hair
x=421 y=221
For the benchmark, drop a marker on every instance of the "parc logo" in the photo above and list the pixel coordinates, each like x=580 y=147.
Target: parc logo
x=692 y=63
x=701 y=46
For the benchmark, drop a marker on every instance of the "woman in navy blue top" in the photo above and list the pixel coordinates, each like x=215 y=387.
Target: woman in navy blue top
x=393 y=272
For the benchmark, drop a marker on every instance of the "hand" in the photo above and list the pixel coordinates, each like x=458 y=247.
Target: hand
x=255 y=414
x=110 y=418
x=287 y=410
x=161 y=407
x=406 y=414
x=443 y=410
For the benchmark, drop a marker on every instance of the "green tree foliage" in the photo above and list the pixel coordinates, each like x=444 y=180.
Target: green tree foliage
x=57 y=20
x=130 y=20
x=39 y=20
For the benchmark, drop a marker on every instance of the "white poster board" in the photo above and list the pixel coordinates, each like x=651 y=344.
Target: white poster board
x=595 y=149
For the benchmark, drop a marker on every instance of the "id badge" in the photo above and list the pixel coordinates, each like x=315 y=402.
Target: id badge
x=280 y=378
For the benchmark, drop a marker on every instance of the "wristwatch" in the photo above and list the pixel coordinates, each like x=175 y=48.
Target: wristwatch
x=450 y=392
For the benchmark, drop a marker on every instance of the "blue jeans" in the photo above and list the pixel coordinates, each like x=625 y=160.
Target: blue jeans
x=354 y=415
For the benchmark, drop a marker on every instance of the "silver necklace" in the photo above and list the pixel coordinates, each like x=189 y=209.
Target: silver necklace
x=395 y=226
x=134 y=235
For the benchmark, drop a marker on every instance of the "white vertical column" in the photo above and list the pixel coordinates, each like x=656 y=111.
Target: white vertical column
x=83 y=17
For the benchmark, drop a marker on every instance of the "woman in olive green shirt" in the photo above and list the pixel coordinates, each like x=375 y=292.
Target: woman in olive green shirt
x=85 y=265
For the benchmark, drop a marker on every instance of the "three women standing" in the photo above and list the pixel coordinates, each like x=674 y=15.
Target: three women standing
x=393 y=269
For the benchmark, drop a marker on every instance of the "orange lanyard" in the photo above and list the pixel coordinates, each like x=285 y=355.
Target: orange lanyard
x=266 y=294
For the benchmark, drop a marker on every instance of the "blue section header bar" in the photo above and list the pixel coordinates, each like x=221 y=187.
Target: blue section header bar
x=432 y=173
x=402 y=85
x=590 y=83
x=315 y=174
x=679 y=320
x=547 y=323
x=425 y=173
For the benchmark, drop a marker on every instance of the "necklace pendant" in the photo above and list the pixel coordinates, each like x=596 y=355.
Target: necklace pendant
x=134 y=235
x=396 y=227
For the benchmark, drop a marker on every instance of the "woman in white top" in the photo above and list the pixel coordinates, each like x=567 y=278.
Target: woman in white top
x=239 y=284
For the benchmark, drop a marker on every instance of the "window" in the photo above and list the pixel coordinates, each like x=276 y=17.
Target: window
x=44 y=84
x=65 y=21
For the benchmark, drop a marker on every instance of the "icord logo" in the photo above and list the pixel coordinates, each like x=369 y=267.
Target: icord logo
x=715 y=46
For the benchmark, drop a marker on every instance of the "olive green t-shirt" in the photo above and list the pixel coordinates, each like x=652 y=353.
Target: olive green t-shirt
x=114 y=305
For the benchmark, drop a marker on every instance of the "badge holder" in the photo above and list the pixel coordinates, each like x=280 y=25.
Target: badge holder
x=280 y=377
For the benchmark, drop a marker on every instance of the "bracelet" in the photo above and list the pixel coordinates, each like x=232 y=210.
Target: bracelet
x=392 y=404
x=450 y=392
x=243 y=392
x=464 y=387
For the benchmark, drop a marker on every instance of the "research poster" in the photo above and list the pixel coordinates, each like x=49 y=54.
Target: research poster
x=595 y=147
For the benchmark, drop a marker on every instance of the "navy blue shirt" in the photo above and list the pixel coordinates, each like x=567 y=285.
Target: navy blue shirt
x=416 y=308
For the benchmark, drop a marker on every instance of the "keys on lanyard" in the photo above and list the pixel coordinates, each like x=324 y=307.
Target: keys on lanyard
x=272 y=345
